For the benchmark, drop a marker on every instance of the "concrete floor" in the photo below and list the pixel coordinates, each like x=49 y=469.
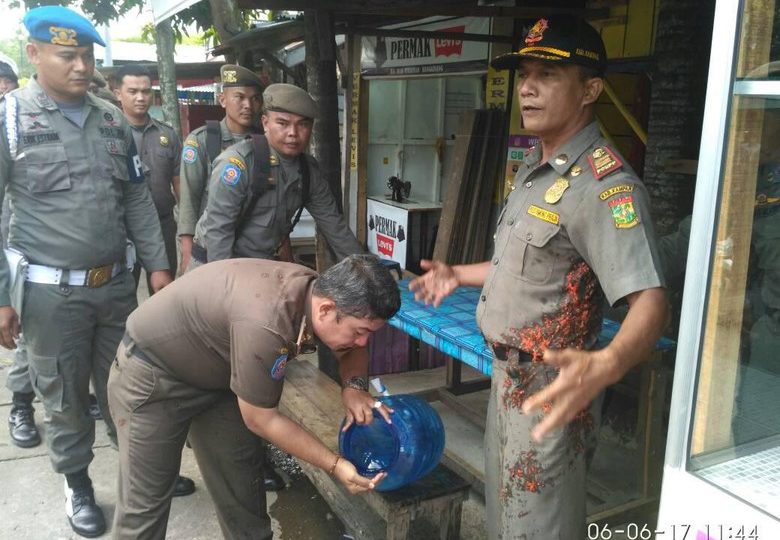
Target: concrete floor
x=32 y=504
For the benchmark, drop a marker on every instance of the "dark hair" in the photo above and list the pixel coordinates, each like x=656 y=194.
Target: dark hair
x=587 y=73
x=133 y=70
x=360 y=286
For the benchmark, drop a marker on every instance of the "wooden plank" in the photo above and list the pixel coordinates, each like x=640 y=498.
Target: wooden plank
x=450 y=206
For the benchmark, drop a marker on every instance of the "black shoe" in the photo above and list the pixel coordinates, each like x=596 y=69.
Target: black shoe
x=94 y=408
x=184 y=486
x=272 y=480
x=21 y=425
x=84 y=515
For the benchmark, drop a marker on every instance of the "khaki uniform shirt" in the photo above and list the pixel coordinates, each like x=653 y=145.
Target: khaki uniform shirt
x=272 y=215
x=77 y=193
x=195 y=174
x=228 y=325
x=160 y=153
x=559 y=251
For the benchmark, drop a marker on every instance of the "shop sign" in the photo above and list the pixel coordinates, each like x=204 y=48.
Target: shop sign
x=387 y=226
x=409 y=56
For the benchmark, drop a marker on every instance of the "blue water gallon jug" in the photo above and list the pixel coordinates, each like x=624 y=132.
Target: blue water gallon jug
x=406 y=450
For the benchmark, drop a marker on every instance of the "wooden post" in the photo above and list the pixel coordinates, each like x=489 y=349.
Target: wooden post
x=725 y=309
x=321 y=82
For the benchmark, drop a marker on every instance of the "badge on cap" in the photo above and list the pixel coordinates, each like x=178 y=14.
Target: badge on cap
x=623 y=212
x=63 y=36
x=603 y=161
x=229 y=76
x=555 y=192
x=536 y=33
x=164 y=140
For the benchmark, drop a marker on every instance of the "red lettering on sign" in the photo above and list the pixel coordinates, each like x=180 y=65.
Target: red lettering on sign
x=448 y=47
x=385 y=244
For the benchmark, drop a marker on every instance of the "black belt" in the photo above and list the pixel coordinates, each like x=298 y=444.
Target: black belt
x=133 y=349
x=505 y=353
x=199 y=253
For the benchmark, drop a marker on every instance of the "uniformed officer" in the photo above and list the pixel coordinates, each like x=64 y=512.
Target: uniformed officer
x=288 y=117
x=21 y=421
x=69 y=166
x=158 y=145
x=9 y=79
x=207 y=356
x=241 y=97
x=576 y=229
x=99 y=87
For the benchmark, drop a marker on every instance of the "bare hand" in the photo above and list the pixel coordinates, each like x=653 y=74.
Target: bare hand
x=186 y=251
x=9 y=327
x=359 y=406
x=583 y=375
x=436 y=284
x=160 y=279
x=347 y=474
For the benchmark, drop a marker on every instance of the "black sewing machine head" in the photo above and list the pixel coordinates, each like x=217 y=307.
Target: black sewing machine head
x=399 y=188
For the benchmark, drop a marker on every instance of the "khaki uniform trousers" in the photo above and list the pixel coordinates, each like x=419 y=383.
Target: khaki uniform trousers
x=534 y=491
x=154 y=412
x=71 y=335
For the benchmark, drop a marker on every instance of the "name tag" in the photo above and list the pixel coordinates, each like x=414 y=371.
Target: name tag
x=544 y=215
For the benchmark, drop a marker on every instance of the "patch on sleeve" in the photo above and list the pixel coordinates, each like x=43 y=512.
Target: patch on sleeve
x=240 y=164
x=544 y=215
x=622 y=188
x=189 y=154
x=623 y=212
x=604 y=161
x=280 y=365
x=231 y=174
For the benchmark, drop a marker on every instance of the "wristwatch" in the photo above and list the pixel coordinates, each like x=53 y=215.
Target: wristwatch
x=358 y=383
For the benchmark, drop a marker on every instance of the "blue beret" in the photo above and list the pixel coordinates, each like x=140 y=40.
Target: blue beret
x=60 y=26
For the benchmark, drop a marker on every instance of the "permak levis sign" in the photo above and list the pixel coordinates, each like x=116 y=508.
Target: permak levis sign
x=387 y=226
x=427 y=56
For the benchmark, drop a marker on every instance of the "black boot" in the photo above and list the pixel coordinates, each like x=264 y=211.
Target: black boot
x=21 y=421
x=184 y=486
x=84 y=515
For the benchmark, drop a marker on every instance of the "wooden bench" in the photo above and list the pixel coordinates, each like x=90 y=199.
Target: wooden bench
x=313 y=400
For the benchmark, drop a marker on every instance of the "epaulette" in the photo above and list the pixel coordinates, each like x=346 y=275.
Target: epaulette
x=603 y=161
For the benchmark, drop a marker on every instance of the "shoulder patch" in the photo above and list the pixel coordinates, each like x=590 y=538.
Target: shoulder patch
x=544 y=215
x=623 y=212
x=280 y=365
x=231 y=174
x=237 y=162
x=189 y=153
x=603 y=161
x=622 y=188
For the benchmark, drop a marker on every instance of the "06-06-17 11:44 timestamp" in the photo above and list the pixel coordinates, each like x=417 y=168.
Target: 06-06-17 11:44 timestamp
x=682 y=531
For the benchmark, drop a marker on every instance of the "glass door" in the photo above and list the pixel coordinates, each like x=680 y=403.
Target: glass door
x=722 y=473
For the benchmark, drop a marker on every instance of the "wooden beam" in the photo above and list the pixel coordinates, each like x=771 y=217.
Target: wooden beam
x=414 y=8
x=271 y=58
x=457 y=36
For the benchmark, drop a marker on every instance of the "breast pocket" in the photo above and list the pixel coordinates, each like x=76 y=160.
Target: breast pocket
x=530 y=256
x=47 y=169
x=117 y=161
